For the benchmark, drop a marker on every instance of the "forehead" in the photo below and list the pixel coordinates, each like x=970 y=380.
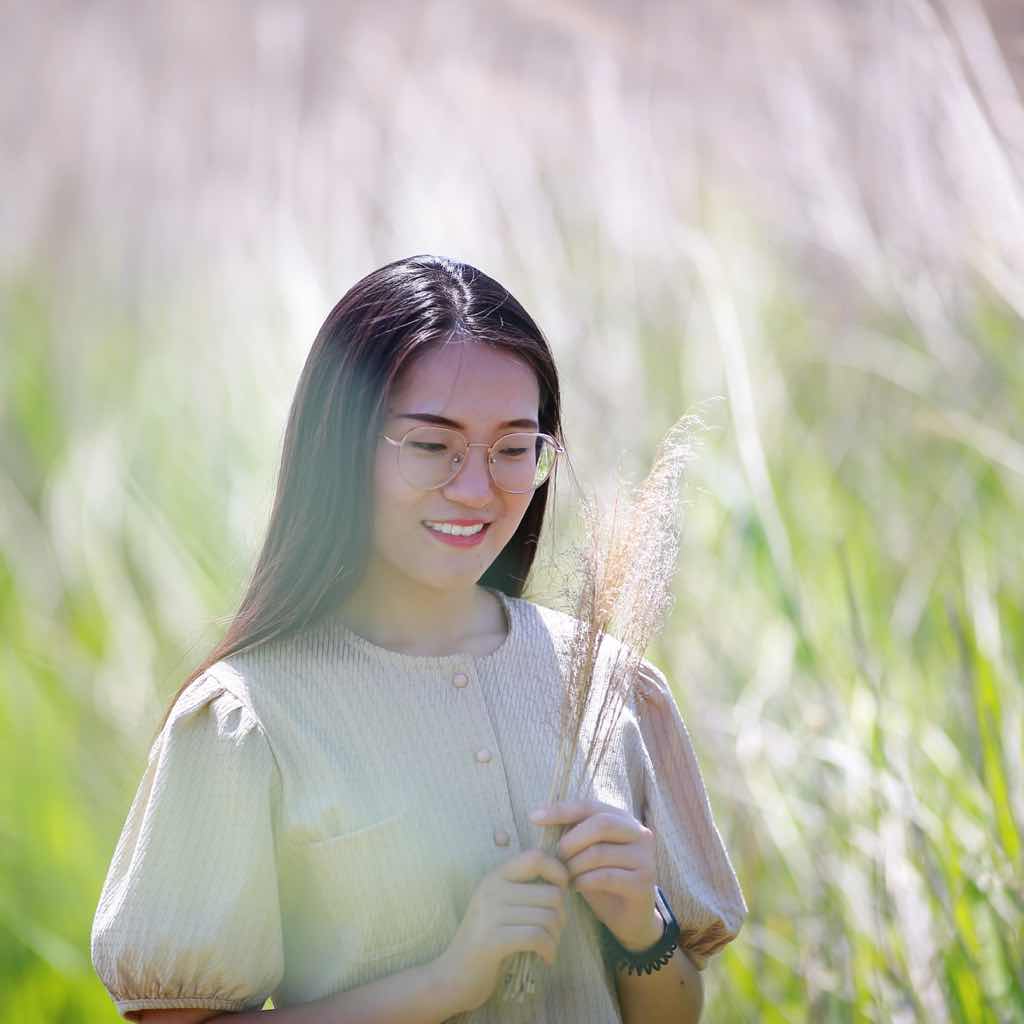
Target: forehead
x=469 y=382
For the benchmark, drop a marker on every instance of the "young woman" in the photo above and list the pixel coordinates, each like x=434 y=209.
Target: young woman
x=336 y=811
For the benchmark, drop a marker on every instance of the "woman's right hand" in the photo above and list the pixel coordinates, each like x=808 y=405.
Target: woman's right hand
x=519 y=905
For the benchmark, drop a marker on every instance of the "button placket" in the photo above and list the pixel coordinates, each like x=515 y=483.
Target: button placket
x=486 y=759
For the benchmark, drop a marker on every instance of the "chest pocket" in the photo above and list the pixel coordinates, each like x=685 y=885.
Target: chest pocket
x=371 y=894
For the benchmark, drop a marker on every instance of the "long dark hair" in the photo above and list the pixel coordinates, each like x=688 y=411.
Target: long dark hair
x=318 y=540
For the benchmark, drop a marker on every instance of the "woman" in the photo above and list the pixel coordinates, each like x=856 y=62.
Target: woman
x=336 y=809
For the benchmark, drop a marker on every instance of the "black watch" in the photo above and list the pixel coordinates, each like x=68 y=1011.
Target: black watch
x=647 y=960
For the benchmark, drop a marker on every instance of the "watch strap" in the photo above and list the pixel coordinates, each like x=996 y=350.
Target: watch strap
x=646 y=960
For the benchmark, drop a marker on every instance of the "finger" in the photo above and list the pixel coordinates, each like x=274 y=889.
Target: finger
x=515 y=937
x=551 y=918
x=532 y=864
x=620 y=881
x=567 y=811
x=607 y=827
x=609 y=855
x=536 y=894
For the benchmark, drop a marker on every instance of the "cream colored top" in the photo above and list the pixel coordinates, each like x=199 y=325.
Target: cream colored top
x=316 y=813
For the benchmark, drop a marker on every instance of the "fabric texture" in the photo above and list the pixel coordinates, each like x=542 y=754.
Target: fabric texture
x=317 y=811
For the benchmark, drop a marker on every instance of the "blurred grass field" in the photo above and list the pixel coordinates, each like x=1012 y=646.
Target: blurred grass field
x=831 y=269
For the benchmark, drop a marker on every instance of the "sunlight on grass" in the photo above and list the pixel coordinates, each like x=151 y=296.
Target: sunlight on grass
x=846 y=638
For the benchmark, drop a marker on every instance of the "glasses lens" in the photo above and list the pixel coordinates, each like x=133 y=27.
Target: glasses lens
x=523 y=462
x=430 y=455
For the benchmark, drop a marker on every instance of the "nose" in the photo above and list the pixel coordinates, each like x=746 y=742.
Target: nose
x=472 y=485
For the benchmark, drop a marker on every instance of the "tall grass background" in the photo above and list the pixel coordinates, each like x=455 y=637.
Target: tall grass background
x=808 y=213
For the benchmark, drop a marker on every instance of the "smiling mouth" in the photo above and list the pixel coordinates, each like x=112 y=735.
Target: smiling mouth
x=458 y=535
x=456 y=529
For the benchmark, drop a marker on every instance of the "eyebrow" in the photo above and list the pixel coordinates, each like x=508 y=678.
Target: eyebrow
x=443 y=421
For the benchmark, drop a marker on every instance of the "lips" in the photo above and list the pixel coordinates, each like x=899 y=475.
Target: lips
x=453 y=540
x=457 y=525
x=458 y=522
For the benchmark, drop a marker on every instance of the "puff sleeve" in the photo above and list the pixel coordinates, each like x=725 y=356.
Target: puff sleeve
x=692 y=864
x=188 y=914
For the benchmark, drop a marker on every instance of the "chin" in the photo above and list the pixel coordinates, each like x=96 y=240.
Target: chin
x=444 y=581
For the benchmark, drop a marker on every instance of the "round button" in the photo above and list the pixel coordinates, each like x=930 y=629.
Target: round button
x=483 y=756
x=501 y=837
x=460 y=679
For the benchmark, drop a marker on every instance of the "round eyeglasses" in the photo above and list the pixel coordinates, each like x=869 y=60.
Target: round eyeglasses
x=430 y=457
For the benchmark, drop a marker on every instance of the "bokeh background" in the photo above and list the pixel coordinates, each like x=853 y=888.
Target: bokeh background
x=803 y=216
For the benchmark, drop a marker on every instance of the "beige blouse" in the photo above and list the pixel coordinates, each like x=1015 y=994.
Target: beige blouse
x=316 y=813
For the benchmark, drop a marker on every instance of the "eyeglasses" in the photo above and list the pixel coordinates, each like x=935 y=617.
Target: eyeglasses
x=430 y=457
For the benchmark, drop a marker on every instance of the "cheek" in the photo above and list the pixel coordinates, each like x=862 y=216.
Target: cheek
x=385 y=480
x=393 y=497
x=515 y=512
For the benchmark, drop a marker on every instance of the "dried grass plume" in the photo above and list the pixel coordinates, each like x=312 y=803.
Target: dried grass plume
x=623 y=589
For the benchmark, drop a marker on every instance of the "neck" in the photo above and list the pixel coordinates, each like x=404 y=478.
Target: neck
x=421 y=620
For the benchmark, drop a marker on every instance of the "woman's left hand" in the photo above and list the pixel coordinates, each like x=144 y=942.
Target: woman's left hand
x=610 y=858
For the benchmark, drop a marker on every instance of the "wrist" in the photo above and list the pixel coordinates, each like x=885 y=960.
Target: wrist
x=442 y=983
x=636 y=941
x=651 y=957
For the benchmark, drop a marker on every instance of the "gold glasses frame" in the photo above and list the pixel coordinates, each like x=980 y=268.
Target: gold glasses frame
x=559 y=450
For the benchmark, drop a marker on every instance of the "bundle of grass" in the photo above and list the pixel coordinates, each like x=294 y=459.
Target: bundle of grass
x=625 y=569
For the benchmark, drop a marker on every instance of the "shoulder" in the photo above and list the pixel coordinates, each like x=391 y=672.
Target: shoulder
x=569 y=634
x=539 y=615
x=542 y=627
x=221 y=685
x=213 y=726
x=220 y=698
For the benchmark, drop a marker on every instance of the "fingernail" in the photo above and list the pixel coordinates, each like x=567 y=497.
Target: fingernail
x=539 y=814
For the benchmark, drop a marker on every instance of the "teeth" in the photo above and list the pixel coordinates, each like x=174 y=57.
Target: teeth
x=457 y=531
